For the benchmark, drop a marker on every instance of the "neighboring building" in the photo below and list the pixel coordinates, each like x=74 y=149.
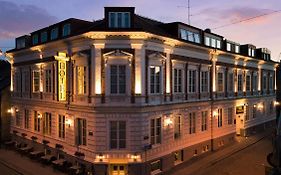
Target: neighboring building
x=5 y=100
x=138 y=96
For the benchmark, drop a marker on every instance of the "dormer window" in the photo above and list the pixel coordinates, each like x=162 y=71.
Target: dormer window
x=189 y=36
x=237 y=50
x=44 y=37
x=119 y=20
x=35 y=39
x=66 y=30
x=251 y=52
x=54 y=33
x=228 y=46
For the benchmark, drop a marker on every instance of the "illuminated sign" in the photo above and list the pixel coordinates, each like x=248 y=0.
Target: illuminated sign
x=239 y=109
x=62 y=59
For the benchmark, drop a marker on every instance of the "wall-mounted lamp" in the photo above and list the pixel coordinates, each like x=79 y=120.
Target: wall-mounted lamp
x=276 y=103
x=215 y=114
x=168 y=121
x=260 y=106
x=17 y=110
x=135 y=157
x=39 y=115
x=100 y=157
x=68 y=122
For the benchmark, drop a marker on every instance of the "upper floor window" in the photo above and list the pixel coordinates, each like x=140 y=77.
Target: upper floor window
x=237 y=49
x=190 y=36
x=264 y=82
x=117 y=79
x=270 y=82
x=155 y=79
x=36 y=81
x=37 y=121
x=117 y=134
x=81 y=131
x=119 y=20
x=213 y=42
x=228 y=46
x=54 y=33
x=66 y=30
x=255 y=80
x=81 y=80
x=35 y=39
x=177 y=80
x=251 y=52
x=204 y=81
x=155 y=131
x=48 y=81
x=192 y=81
x=207 y=41
x=192 y=123
x=248 y=83
x=26 y=81
x=204 y=120
x=177 y=127
x=240 y=85
x=230 y=82
x=44 y=36
x=219 y=117
x=220 y=82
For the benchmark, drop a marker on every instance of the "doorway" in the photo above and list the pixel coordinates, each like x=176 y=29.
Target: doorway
x=239 y=124
x=118 y=169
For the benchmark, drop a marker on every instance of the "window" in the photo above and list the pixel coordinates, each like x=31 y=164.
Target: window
x=155 y=79
x=192 y=81
x=237 y=50
x=117 y=79
x=271 y=107
x=81 y=132
x=178 y=156
x=18 y=118
x=26 y=82
x=239 y=82
x=44 y=37
x=117 y=134
x=249 y=52
x=247 y=115
x=255 y=83
x=253 y=52
x=204 y=120
x=230 y=82
x=220 y=117
x=36 y=81
x=35 y=39
x=190 y=36
x=248 y=83
x=183 y=34
x=192 y=123
x=213 y=42
x=81 y=80
x=47 y=124
x=270 y=83
x=18 y=81
x=220 y=82
x=37 y=121
x=66 y=30
x=204 y=81
x=155 y=131
x=196 y=38
x=177 y=80
x=155 y=166
x=264 y=82
x=230 y=116
x=54 y=33
x=207 y=41
x=26 y=119
x=119 y=20
x=61 y=126
x=177 y=126
x=254 y=111
x=48 y=81
x=228 y=46
x=218 y=44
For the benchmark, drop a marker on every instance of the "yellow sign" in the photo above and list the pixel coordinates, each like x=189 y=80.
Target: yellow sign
x=62 y=80
x=239 y=109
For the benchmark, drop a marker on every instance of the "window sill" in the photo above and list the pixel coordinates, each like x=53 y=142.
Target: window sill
x=155 y=172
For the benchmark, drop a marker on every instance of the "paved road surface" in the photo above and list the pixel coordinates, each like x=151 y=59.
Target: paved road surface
x=250 y=161
x=5 y=170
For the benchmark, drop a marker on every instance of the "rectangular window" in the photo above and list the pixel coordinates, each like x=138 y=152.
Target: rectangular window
x=248 y=83
x=81 y=80
x=54 y=33
x=247 y=115
x=249 y=52
x=240 y=85
x=61 y=126
x=25 y=81
x=183 y=34
x=218 y=44
x=36 y=81
x=271 y=107
x=270 y=83
x=220 y=82
x=237 y=50
x=253 y=52
x=26 y=119
x=192 y=81
x=230 y=116
x=117 y=134
x=204 y=81
x=119 y=20
x=81 y=132
x=37 y=121
x=264 y=82
x=48 y=81
x=254 y=111
x=155 y=131
x=204 y=120
x=255 y=83
x=190 y=36
x=47 y=124
x=213 y=42
x=219 y=117
x=155 y=166
x=207 y=41
x=66 y=30
x=230 y=82
x=44 y=37
x=18 y=81
x=117 y=79
x=177 y=80
x=197 y=38
x=192 y=123
x=155 y=79
x=228 y=46
x=177 y=127
x=18 y=118
x=35 y=39
x=178 y=157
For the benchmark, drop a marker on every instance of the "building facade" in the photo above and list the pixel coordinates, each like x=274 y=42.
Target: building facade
x=137 y=96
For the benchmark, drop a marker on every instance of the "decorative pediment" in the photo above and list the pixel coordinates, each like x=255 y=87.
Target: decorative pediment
x=118 y=54
x=157 y=55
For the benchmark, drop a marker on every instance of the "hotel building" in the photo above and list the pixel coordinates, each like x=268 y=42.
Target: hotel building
x=130 y=95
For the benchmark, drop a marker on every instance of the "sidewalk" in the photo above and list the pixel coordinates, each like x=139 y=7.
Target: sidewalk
x=23 y=165
x=194 y=166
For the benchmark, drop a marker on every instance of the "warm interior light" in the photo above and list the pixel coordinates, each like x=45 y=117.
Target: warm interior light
x=260 y=106
x=215 y=113
x=68 y=122
x=39 y=115
x=168 y=121
x=276 y=103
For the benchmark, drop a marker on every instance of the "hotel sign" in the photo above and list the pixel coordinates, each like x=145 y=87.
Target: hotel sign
x=239 y=109
x=62 y=60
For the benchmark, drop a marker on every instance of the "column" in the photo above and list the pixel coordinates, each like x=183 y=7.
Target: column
x=97 y=59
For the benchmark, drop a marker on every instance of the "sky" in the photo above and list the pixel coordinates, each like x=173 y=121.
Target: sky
x=19 y=17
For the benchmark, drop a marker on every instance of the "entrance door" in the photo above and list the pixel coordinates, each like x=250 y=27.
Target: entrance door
x=118 y=169
x=239 y=124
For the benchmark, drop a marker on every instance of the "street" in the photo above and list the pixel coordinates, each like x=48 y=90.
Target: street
x=250 y=161
x=5 y=170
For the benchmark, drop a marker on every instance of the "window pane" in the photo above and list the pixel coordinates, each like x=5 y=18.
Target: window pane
x=54 y=33
x=122 y=79
x=113 y=79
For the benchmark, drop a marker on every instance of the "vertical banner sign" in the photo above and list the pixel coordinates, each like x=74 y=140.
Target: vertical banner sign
x=62 y=59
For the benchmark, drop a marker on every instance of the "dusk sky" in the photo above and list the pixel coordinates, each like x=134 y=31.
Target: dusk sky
x=18 y=17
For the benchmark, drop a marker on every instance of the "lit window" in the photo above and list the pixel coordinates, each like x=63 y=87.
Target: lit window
x=177 y=80
x=35 y=39
x=204 y=120
x=197 y=38
x=66 y=30
x=81 y=132
x=18 y=118
x=44 y=37
x=37 y=121
x=47 y=123
x=119 y=20
x=155 y=79
x=213 y=42
x=155 y=131
x=207 y=41
x=190 y=36
x=117 y=134
x=61 y=126
x=81 y=80
x=183 y=34
x=253 y=52
x=178 y=156
x=218 y=44
x=117 y=79
x=192 y=123
x=219 y=117
x=54 y=33
x=36 y=81
x=237 y=49
x=177 y=127
x=228 y=46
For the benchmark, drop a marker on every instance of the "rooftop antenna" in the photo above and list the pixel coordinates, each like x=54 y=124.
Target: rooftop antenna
x=188 y=7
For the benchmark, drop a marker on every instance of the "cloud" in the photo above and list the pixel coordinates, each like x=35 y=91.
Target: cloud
x=17 y=19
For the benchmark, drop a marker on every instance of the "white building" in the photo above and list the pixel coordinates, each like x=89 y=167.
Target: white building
x=134 y=95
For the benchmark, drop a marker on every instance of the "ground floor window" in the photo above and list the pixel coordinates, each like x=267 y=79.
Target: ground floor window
x=230 y=116
x=37 y=121
x=18 y=123
x=47 y=123
x=155 y=166
x=61 y=126
x=178 y=156
x=26 y=119
x=81 y=131
x=118 y=169
x=117 y=134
